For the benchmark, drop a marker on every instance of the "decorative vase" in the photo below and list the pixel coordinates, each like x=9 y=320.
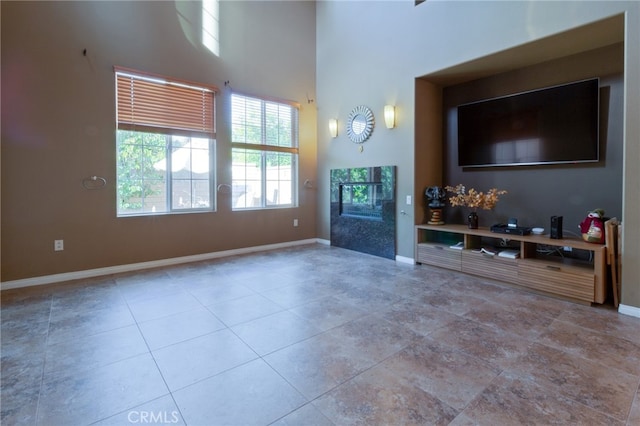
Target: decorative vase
x=472 y=220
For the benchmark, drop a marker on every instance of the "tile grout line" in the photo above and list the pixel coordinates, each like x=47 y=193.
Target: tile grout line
x=150 y=352
x=44 y=360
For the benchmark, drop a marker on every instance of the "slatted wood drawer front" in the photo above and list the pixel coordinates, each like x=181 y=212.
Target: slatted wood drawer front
x=438 y=255
x=565 y=280
x=490 y=266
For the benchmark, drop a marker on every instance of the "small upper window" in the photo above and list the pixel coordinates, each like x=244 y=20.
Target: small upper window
x=164 y=145
x=211 y=25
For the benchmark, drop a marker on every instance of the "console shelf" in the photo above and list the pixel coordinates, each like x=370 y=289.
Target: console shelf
x=459 y=248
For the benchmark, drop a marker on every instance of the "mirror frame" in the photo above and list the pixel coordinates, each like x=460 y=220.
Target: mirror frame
x=367 y=114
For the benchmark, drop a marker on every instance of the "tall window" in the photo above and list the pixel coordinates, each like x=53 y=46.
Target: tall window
x=265 y=153
x=165 y=144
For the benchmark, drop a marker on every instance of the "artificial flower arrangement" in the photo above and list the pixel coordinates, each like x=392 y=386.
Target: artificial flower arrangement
x=473 y=198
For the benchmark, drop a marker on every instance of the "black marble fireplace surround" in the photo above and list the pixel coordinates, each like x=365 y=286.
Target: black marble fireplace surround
x=363 y=210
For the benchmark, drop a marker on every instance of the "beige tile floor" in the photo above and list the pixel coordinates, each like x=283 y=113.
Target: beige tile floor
x=314 y=335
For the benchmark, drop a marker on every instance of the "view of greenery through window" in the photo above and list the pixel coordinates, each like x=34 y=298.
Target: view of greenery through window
x=164 y=144
x=160 y=173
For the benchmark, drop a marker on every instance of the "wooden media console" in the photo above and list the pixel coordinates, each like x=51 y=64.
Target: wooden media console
x=536 y=262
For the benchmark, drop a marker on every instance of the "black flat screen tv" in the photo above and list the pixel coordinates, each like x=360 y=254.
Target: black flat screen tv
x=554 y=125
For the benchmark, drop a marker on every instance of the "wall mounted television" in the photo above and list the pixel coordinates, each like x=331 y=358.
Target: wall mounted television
x=554 y=125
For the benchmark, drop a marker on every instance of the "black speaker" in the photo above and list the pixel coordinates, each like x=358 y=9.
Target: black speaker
x=556 y=228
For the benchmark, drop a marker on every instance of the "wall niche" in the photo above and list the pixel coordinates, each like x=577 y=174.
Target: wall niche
x=595 y=49
x=537 y=192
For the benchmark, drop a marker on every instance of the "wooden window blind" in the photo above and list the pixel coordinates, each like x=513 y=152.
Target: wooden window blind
x=151 y=103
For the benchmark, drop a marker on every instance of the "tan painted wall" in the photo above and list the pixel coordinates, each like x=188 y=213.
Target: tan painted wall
x=58 y=125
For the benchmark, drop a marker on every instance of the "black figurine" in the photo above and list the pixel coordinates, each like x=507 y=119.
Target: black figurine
x=436 y=197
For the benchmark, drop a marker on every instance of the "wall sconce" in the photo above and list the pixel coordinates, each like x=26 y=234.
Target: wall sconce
x=333 y=127
x=390 y=116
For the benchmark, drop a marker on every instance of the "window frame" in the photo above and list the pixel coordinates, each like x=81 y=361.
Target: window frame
x=265 y=148
x=170 y=125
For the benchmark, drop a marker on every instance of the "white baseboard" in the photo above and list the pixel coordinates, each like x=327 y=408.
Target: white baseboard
x=90 y=273
x=402 y=259
x=629 y=310
x=323 y=242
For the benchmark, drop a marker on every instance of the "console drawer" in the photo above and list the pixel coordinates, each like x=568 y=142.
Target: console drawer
x=558 y=278
x=439 y=255
x=488 y=266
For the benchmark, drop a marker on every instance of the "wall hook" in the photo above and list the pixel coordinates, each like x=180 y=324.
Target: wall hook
x=94 y=182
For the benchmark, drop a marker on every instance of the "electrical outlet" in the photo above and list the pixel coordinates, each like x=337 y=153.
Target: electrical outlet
x=58 y=245
x=295 y=222
x=408 y=200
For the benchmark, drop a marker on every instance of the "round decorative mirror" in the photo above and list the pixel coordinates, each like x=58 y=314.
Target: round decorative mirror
x=360 y=124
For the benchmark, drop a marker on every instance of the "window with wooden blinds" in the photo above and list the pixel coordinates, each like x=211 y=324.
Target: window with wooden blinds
x=264 y=152
x=150 y=103
x=165 y=145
